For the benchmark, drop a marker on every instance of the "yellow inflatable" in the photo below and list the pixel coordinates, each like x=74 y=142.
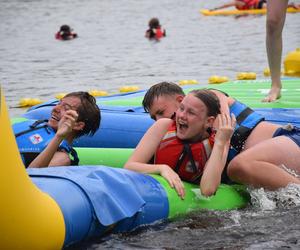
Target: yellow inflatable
x=29 y=102
x=292 y=63
x=246 y=76
x=218 y=79
x=30 y=219
x=60 y=95
x=187 y=82
x=97 y=93
x=126 y=89
x=230 y=12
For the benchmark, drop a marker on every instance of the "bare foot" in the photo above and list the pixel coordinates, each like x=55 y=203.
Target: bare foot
x=274 y=94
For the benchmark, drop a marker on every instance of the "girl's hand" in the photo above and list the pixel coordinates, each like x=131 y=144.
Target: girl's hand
x=226 y=125
x=66 y=123
x=173 y=178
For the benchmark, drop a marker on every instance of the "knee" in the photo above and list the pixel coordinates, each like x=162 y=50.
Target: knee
x=274 y=26
x=239 y=168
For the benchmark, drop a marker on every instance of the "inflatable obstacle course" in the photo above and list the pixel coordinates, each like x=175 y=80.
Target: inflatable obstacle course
x=117 y=130
x=59 y=206
x=97 y=205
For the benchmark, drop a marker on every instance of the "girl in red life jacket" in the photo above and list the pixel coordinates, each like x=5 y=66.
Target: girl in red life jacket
x=155 y=30
x=65 y=33
x=201 y=154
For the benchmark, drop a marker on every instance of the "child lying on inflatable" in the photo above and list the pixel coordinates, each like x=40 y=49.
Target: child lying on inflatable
x=49 y=142
x=250 y=4
x=188 y=148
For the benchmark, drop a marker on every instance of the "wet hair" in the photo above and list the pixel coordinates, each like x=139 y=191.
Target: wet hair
x=154 y=23
x=65 y=28
x=160 y=89
x=88 y=112
x=210 y=100
x=66 y=32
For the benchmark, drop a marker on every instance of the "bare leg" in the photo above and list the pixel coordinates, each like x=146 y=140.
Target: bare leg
x=295 y=6
x=276 y=12
x=259 y=166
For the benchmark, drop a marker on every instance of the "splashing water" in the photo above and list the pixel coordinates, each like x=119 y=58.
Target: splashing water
x=287 y=197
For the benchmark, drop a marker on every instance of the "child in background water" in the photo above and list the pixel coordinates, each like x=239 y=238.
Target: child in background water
x=250 y=4
x=65 y=33
x=155 y=30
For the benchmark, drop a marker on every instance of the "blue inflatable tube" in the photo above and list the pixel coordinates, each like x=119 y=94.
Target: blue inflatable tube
x=98 y=199
x=117 y=130
x=125 y=126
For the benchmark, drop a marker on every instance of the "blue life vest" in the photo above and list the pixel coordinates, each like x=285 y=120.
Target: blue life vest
x=33 y=136
x=246 y=120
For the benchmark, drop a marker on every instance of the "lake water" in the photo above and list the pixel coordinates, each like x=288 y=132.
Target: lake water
x=111 y=52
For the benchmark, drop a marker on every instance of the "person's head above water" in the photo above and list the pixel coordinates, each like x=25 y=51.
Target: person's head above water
x=196 y=115
x=85 y=105
x=154 y=23
x=65 y=28
x=162 y=100
x=65 y=33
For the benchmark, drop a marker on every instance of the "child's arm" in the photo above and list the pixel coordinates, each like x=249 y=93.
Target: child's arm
x=230 y=4
x=145 y=150
x=211 y=177
x=50 y=156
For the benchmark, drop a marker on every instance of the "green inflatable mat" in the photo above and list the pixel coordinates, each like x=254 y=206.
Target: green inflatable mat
x=114 y=157
x=250 y=92
x=227 y=197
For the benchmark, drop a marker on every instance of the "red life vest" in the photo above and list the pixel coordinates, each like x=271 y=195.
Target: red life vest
x=59 y=36
x=159 y=33
x=189 y=166
x=249 y=4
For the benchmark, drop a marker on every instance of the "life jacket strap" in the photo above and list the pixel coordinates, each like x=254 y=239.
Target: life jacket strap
x=75 y=160
x=186 y=151
x=38 y=122
x=33 y=127
x=243 y=115
x=241 y=133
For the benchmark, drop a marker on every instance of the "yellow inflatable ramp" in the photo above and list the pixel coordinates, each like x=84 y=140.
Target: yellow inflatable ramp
x=30 y=219
x=232 y=12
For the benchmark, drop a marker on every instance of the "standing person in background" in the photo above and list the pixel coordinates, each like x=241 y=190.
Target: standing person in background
x=155 y=30
x=276 y=13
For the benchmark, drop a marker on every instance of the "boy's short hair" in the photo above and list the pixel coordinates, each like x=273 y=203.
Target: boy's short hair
x=160 y=89
x=88 y=112
x=154 y=23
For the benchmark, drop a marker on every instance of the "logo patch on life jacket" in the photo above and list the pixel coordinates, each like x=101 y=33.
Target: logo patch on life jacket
x=36 y=139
